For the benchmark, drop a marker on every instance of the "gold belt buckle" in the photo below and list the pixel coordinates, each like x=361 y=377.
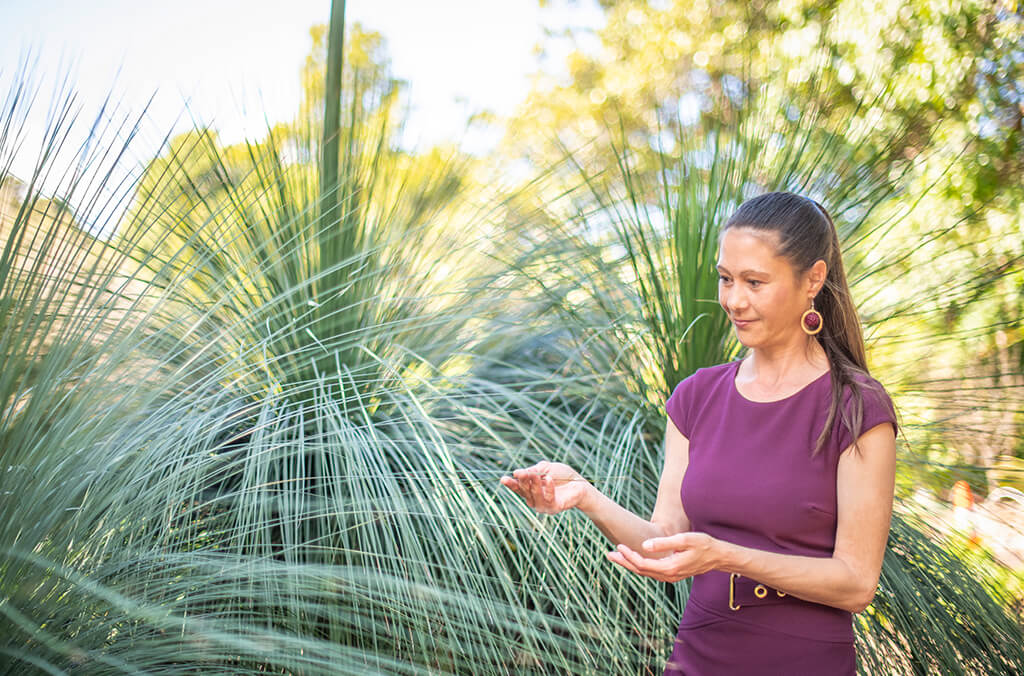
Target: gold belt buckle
x=732 y=591
x=760 y=591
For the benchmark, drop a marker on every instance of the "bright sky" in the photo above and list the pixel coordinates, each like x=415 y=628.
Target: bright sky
x=237 y=61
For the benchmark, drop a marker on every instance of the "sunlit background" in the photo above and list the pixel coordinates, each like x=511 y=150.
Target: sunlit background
x=235 y=65
x=254 y=403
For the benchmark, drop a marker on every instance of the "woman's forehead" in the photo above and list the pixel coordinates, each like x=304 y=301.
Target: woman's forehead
x=746 y=248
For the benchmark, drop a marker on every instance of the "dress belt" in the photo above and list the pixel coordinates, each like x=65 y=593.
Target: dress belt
x=744 y=591
x=734 y=595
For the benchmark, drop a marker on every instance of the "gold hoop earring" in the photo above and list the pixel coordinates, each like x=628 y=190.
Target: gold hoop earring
x=811 y=321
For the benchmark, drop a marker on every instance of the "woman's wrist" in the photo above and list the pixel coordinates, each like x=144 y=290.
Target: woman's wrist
x=726 y=556
x=588 y=503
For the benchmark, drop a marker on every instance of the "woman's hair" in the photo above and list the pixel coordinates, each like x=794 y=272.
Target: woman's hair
x=805 y=233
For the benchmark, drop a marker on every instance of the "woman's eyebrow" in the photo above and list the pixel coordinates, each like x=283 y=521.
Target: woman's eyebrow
x=745 y=272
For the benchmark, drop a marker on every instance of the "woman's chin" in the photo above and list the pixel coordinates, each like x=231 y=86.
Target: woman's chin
x=743 y=334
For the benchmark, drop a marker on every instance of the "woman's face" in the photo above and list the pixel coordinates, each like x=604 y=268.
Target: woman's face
x=757 y=285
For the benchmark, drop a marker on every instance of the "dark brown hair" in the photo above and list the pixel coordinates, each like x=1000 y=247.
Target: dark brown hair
x=805 y=233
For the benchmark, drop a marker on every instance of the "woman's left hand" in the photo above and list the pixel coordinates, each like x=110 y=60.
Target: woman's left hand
x=692 y=553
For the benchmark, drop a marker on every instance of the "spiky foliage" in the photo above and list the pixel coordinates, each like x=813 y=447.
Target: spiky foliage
x=251 y=443
x=243 y=438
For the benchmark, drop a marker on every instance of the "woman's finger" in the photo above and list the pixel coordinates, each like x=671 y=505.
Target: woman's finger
x=542 y=494
x=542 y=497
x=657 y=566
x=662 y=566
x=529 y=483
x=513 y=485
x=618 y=558
x=523 y=487
x=536 y=490
x=666 y=543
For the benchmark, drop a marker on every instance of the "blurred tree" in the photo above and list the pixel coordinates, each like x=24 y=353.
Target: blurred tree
x=245 y=217
x=933 y=87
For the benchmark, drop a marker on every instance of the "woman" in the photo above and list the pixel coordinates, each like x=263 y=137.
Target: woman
x=777 y=486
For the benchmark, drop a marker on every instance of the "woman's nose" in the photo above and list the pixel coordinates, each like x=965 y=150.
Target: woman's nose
x=735 y=303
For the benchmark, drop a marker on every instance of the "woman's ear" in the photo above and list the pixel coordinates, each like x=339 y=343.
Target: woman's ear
x=816 y=277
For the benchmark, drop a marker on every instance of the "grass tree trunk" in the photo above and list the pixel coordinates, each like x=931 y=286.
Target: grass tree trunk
x=332 y=113
x=332 y=233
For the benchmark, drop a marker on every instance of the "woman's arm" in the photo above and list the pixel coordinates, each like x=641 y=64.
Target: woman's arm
x=622 y=526
x=848 y=579
x=553 y=487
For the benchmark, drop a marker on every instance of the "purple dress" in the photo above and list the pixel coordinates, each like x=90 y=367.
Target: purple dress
x=751 y=481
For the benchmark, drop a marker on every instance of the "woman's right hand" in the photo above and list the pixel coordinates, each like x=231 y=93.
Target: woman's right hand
x=549 y=487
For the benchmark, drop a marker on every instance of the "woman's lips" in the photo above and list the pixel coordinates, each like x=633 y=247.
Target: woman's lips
x=743 y=325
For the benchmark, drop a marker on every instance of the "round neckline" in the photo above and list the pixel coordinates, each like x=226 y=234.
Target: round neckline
x=736 y=390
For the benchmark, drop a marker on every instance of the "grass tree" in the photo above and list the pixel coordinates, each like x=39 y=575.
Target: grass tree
x=206 y=471
x=249 y=434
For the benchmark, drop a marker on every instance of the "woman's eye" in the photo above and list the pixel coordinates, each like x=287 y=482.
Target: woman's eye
x=721 y=278
x=754 y=281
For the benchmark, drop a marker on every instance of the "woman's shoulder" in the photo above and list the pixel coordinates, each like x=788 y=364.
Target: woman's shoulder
x=865 y=383
x=876 y=403
x=705 y=380
x=706 y=374
x=690 y=395
x=717 y=371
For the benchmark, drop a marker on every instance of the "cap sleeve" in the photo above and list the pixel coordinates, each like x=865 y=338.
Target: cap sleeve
x=878 y=408
x=679 y=405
